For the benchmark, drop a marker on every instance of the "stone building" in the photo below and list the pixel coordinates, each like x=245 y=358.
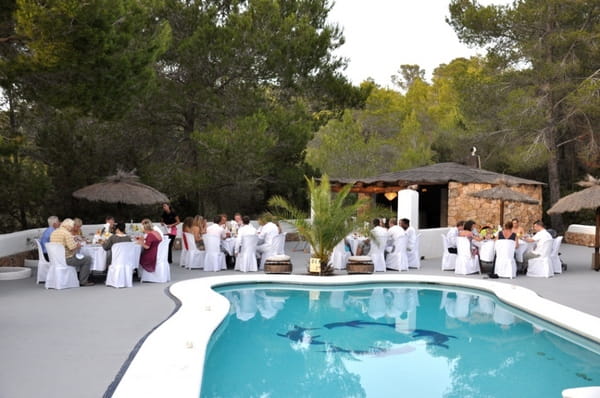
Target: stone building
x=445 y=194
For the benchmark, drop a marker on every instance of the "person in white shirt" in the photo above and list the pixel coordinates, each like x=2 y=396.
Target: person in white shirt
x=267 y=235
x=452 y=235
x=380 y=233
x=410 y=232
x=217 y=227
x=541 y=236
x=395 y=231
x=245 y=229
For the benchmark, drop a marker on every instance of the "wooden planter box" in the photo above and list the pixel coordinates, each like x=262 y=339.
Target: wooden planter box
x=278 y=266
x=360 y=265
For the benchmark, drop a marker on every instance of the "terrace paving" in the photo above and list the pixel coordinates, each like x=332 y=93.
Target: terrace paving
x=72 y=343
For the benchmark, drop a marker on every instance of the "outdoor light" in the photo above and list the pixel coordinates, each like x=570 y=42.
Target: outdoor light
x=390 y=195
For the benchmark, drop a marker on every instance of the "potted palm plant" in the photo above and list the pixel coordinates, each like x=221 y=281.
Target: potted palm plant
x=332 y=218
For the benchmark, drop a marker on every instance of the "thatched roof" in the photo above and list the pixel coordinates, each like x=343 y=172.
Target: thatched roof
x=502 y=192
x=589 y=198
x=124 y=187
x=438 y=174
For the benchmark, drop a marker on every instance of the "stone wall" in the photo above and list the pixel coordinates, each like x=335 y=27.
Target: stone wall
x=18 y=259
x=463 y=206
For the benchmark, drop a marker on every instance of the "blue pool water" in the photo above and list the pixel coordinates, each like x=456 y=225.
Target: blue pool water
x=392 y=340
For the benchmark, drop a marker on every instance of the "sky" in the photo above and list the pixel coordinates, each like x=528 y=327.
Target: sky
x=381 y=35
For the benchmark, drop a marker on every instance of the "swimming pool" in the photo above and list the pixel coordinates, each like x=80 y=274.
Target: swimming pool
x=388 y=340
x=170 y=362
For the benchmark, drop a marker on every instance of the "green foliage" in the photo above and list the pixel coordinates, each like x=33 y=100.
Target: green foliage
x=93 y=55
x=332 y=218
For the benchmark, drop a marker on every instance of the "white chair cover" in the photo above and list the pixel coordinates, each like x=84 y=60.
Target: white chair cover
x=339 y=257
x=448 y=259
x=466 y=262
x=376 y=253
x=43 y=265
x=398 y=258
x=542 y=266
x=268 y=251
x=195 y=257
x=183 y=258
x=162 y=272
x=125 y=257
x=414 y=256
x=280 y=243
x=486 y=251
x=506 y=266
x=556 y=263
x=246 y=260
x=60 y=275
x=214 y=258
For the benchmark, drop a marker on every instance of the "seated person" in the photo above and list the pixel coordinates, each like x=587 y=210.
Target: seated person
x=187 y=229
x=76 y=231
x=541 y=236
x=268 y=231
x=517 y=228
x=118 y=237
x=508 y=233
x=452 y=235
x=53 y=223
x=82 y=264
x=108 y=227
x=245 y=229
x=199 y=229
x=149 y=243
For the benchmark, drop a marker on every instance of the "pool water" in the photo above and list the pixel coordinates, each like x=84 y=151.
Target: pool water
x=392 y=340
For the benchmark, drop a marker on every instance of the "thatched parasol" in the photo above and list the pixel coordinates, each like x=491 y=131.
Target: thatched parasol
x=589 y=198
x=504 y=194
x=124 y=187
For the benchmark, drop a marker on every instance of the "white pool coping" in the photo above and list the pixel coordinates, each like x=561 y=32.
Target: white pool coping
x=170 y=361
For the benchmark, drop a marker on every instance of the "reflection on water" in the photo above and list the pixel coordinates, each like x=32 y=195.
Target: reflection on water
x=385 y=340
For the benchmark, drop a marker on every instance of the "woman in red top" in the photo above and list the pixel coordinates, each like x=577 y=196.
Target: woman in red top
x=149 y=246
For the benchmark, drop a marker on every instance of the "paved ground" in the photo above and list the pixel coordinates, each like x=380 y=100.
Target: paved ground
x=72 y=343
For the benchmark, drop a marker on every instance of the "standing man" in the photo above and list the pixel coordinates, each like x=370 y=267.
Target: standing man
x=53 y=223
x=81 y=263
x=411 y=244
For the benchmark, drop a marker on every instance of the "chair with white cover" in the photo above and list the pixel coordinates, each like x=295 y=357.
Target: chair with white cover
x=162 y=272
x=378 y=244
x=414 y=256
x=506 y=266
x=397 y=259
x=448 y=259
x=246 y=260
x=486 y=251
x=466 y=262
x=43 y=265
x=542 y=266
x=556 y=263
x=195 y=257
x=214 y=258
x=269 y=251
x=124 y=259
x=280 y=243
x=183 y=258
x=60 y=275
x=339 y=257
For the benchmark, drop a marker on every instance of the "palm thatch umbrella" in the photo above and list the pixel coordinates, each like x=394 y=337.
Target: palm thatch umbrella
x=589 y=198
x=124 y=187
x=504 y=194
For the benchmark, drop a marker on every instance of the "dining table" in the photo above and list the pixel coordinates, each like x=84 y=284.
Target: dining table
x=98 y=255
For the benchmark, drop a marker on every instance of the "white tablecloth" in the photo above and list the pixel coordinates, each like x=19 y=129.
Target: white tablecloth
x=523 y=247
x=98 y=255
